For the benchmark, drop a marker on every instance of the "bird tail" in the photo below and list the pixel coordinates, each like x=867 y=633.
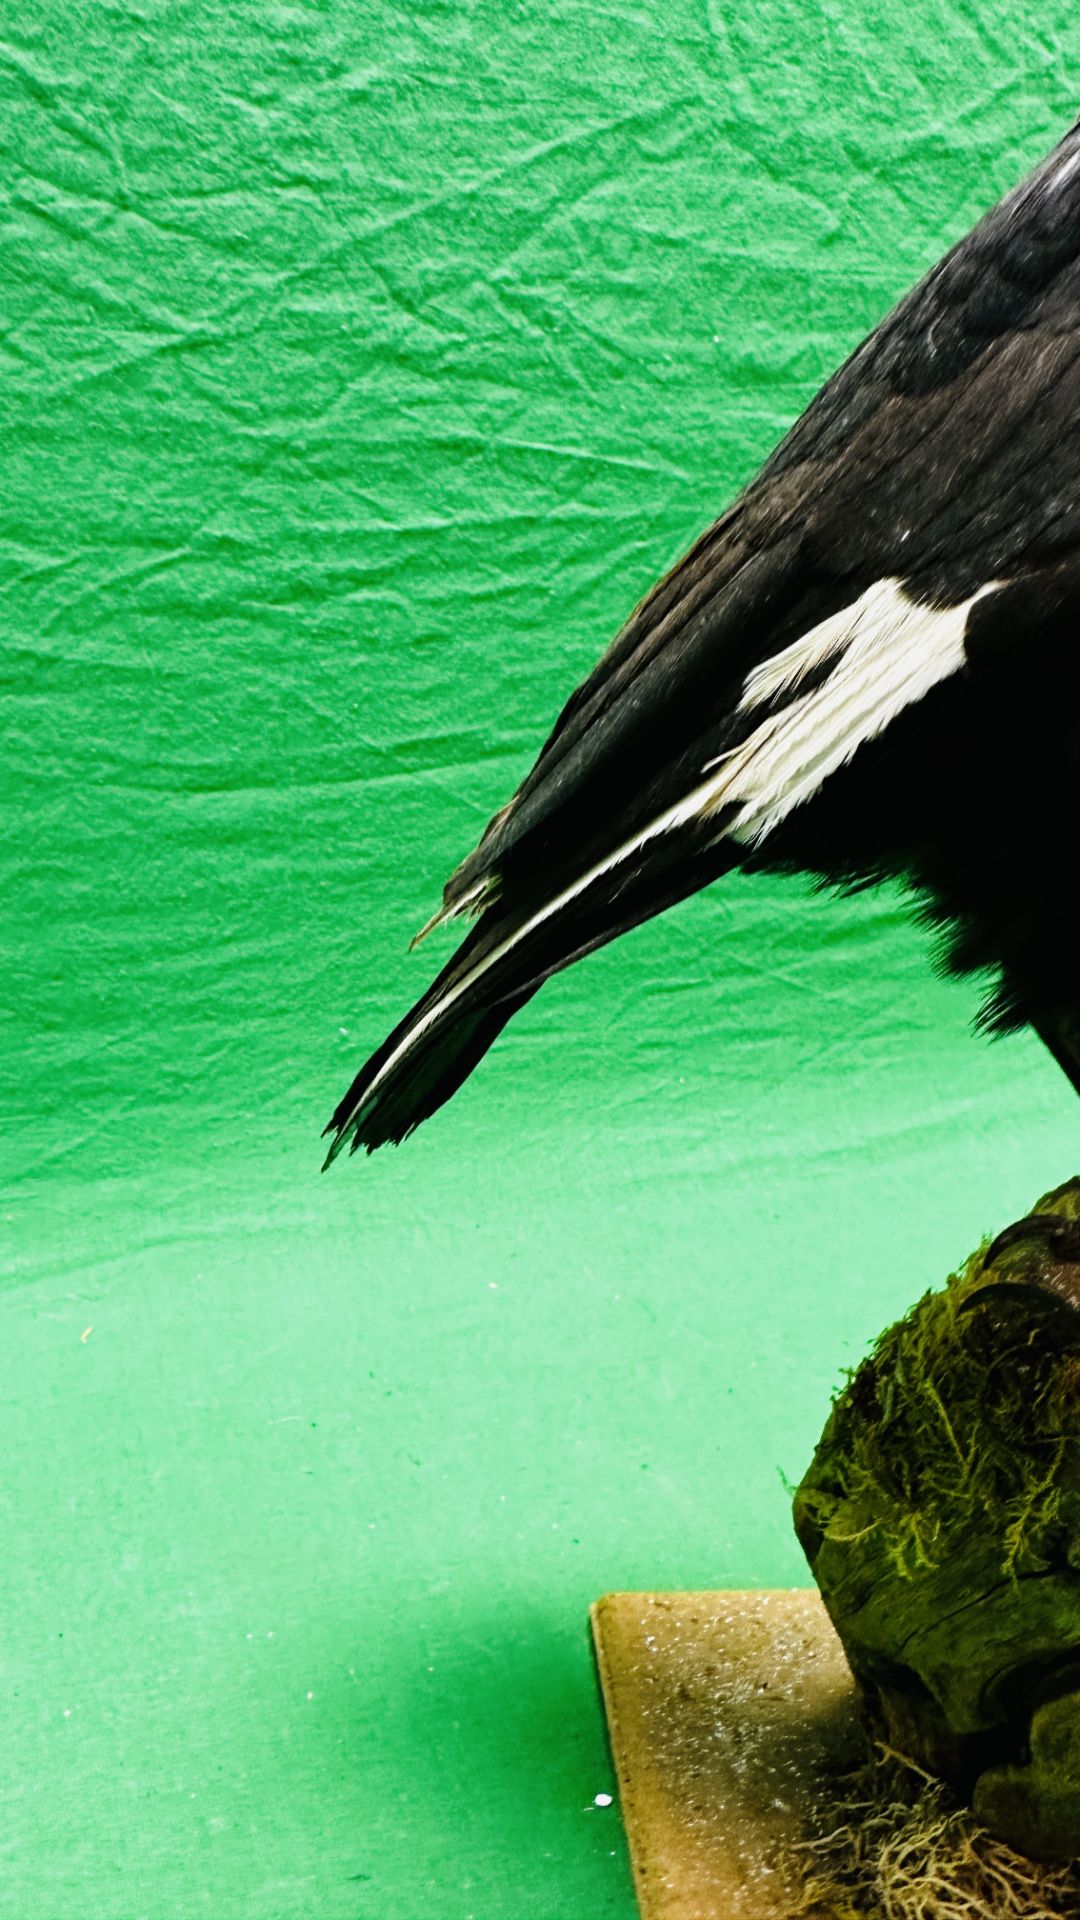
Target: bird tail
x=420 y=1064
x=509 y=953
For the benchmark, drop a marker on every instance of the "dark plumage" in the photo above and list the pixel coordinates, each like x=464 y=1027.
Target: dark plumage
x=867 y=668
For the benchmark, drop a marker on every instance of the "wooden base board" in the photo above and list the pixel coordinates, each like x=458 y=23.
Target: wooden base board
x=726 y=1711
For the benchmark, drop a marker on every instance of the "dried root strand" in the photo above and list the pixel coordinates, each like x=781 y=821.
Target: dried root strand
x=899 y=1848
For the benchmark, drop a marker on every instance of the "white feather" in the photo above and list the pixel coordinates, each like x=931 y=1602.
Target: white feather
x=471 y=903
x=785 y=669
x=1064 y=172
x=895 y=650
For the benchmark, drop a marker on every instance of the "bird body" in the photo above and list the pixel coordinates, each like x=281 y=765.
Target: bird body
x=868 y=668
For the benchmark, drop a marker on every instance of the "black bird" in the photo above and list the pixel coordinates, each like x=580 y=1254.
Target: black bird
x=868 y=668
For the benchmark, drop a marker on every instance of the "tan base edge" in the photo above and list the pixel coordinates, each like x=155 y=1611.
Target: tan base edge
x=726 y=1711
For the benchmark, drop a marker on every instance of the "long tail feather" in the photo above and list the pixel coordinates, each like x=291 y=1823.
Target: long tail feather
x=496 y=970
x=418 y=1082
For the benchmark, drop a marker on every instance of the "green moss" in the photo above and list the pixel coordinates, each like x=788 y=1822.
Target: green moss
x=958 y=1420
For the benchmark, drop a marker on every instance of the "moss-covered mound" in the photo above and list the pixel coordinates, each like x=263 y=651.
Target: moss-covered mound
x=962 y=1417
x=941 y=1518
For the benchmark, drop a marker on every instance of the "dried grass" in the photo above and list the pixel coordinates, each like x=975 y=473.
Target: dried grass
x=898 y=1847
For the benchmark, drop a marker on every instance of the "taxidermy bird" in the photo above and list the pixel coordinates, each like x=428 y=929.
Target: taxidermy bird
x=868 y=668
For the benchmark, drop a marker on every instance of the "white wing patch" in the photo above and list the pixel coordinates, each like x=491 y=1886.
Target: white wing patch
x=889 y=652
x=784 y=670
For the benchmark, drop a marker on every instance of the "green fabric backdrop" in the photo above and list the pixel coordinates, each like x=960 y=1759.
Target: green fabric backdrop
x=360 y=369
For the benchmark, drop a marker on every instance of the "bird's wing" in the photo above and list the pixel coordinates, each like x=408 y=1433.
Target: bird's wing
x=942 y=458
x=935 y=474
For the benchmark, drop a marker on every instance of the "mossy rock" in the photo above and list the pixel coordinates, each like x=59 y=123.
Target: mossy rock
x=941 y=1519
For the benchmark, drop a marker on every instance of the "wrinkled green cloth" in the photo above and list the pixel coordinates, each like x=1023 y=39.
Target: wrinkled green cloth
x=360 y=368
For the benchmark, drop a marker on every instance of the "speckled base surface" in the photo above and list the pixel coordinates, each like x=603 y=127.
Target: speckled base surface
x=726 y=1711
